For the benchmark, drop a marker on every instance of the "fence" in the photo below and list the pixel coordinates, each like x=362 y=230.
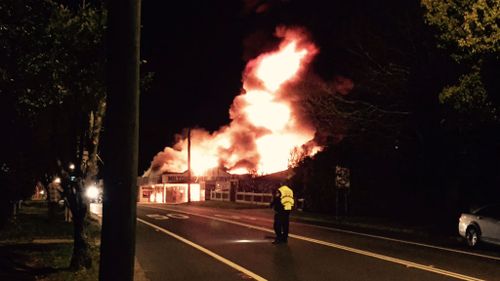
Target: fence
x=243 y=197
x=254 y=198
x=219 y=195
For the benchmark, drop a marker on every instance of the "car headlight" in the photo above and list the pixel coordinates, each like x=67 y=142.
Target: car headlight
x=92 y=192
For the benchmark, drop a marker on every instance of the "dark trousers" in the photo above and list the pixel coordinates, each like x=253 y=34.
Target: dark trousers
x=281 y=222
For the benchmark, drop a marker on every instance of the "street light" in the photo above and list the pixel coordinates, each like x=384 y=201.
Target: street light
x=71 y=166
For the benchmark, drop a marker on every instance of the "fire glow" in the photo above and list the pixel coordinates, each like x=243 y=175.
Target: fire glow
x=265 y=125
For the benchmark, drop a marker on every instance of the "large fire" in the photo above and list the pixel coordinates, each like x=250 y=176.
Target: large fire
x=265 y=125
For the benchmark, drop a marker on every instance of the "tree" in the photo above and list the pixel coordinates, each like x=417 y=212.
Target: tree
x=21 y=34
x=469 y=97
x=469 y=30
x=78 y=54
x=54 y=78
x=338 y=116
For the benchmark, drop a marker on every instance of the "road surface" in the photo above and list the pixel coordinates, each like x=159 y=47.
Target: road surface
x=193 y=243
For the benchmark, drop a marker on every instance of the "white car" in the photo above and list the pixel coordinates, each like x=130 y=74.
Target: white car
x=482 y=224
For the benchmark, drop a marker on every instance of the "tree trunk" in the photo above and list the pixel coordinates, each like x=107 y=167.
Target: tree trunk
x=96 y=123
x=81 y=256
x=78 y=206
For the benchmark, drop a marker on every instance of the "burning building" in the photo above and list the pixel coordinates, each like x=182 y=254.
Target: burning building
x=173 y=187
x=267 y=124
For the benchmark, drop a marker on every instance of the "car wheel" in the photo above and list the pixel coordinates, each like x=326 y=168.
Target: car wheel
x=472 y=236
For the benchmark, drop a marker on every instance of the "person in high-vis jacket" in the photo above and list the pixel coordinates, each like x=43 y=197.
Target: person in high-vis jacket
x=282 y=204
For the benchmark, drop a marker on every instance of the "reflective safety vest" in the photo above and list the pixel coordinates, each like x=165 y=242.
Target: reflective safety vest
x=286 y=197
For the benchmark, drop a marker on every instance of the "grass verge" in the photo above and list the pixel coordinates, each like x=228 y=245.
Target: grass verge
x=32 y=247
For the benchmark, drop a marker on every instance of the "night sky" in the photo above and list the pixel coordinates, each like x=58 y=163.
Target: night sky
x=195 y=50
x=198 y=50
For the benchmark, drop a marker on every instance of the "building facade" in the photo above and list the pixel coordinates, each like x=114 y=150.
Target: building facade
x=173 y=187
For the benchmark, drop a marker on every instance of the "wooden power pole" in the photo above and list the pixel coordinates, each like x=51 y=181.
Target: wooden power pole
x=121 y=141
x=189 y=165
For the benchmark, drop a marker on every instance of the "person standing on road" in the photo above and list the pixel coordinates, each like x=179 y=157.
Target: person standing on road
x=286 y=197
x=282 y=204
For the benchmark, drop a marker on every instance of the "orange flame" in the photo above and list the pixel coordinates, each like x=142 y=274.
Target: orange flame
x=275 y=69
x=265 y=127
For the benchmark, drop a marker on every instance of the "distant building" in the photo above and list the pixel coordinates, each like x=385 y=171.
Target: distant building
x=39 y=192
x=173 y=187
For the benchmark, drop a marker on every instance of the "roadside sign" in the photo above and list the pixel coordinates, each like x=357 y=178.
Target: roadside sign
x=342 y=177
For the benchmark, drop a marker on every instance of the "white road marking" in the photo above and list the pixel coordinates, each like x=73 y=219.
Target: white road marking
x=233 y=217
x=221 y=216
x=206 y=251
x=384 y=238
x=178 y=216
x=157 y=217
x=350 y=249
x=406 y=263
x=402 y=241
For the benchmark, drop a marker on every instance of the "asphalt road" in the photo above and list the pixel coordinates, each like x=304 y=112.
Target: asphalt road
x=193 y=243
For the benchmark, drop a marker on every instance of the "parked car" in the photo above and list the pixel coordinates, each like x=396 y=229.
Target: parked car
x=481 y=225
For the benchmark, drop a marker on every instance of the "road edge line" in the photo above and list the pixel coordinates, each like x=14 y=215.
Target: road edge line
x=346 y=248
x=206 y=251
x=406 y=263
x=403 y=241
x=376 y=236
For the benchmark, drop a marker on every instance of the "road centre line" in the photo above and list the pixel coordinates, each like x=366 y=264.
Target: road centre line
x=390 y=259
x=396 y=240
x=346 y=248
x=384 y=238
x=404 y=241
x=206 y=251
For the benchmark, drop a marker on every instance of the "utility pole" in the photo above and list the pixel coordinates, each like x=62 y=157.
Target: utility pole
x=120 y=149
x=189 y=165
